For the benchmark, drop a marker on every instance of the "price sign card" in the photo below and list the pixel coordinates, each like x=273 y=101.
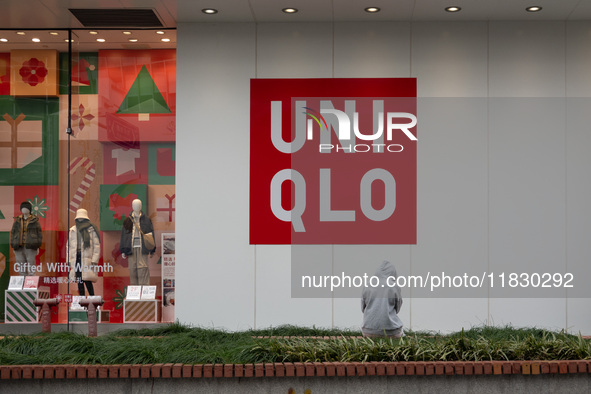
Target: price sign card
x=133 y=292
x=149 y=293
x=31 y=282
x=16 y=283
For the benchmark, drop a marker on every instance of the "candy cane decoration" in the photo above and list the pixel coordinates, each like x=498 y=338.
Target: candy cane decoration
x=85 y=163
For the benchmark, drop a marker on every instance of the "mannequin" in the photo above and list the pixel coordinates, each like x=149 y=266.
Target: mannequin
x=84 y=249
x=25 y=238
x=132 y=245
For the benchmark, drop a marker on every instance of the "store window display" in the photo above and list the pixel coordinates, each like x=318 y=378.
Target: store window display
x=104 y=138
x=132 y=245
x=84 y=249
x=25 y=239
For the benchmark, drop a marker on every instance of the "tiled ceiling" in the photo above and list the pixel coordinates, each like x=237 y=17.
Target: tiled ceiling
x=47 y=14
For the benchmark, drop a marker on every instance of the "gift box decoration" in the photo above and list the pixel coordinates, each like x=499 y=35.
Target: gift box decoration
x=33 y=73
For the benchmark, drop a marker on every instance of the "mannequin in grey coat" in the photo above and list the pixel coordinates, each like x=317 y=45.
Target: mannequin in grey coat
x=380 y=305
x=132 y=244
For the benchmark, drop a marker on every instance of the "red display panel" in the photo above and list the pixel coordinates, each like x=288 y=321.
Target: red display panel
x=333 y=161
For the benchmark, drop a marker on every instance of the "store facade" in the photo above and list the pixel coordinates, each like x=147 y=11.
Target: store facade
x=501 y=164
x=502 y=135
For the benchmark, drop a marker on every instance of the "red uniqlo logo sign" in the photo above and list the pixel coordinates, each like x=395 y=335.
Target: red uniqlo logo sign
x=333 y=161
x=68 y=298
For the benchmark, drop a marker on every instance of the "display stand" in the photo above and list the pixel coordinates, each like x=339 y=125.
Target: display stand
x=82 y=316
x=140 y=311
x=79 y=314
x=140 y=305
x=19 y=307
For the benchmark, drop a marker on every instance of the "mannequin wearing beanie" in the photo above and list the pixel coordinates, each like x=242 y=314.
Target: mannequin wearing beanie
x=132 y=245
x=25 y=238
x=84 y=250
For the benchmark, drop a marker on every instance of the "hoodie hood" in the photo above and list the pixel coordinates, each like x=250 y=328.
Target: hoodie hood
x=385 y=270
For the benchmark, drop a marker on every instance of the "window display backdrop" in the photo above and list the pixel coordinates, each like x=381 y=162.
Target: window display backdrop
x=122 y=147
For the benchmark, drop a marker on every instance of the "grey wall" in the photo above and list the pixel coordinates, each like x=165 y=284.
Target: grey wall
x=342 y=385
x=503 y=167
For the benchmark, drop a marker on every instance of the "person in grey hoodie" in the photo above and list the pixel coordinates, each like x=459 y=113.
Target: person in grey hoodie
x=380 y=306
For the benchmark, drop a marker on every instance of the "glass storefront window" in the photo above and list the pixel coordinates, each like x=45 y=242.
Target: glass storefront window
x=115 y=92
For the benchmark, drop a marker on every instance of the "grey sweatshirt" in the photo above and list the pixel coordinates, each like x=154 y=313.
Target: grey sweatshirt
x=380 y=305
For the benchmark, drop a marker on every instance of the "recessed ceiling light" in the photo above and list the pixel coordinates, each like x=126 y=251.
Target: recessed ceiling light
x=133 y=40
x=161 y=32
x=534 y=8
x=100 y=39
x=127 y=33
x=3 y=40
x=20 y=33
x=54 y=33
x=372 y=10
x=35 y=40
x=290 y=10
x=93 y=32
x=209 y=11
x=165 y=39
x=452 y=9
x=66 y=40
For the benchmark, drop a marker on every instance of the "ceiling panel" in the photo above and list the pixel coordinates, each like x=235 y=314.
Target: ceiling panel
x=165 y=9
x=308 y=10
x=474 y=10
x=581 y=11
x=354 y=10
x=40 y=14
x=62 y=15
x=25 y=13
x=229 y=11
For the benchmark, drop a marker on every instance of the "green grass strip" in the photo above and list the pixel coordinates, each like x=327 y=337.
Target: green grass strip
x=178 y=343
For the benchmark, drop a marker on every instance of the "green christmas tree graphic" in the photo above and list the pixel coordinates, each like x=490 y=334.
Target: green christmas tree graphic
x=144 y=98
